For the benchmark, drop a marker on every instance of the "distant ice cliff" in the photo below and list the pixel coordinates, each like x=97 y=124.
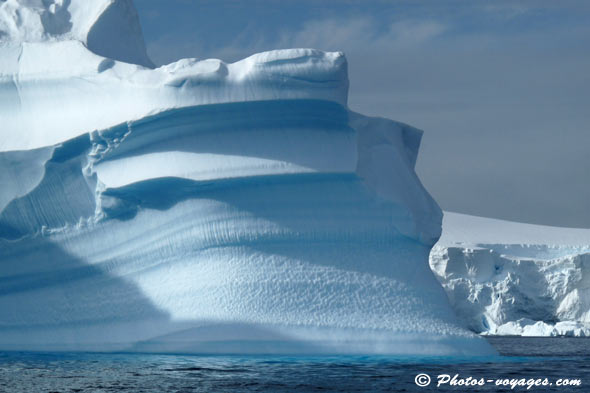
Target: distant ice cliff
x=506 y=278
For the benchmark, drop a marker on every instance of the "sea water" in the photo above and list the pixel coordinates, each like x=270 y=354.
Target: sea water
x=523 y=359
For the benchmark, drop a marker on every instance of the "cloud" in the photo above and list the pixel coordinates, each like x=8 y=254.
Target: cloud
x=506 y=11
x=361 y=33
x=409 y=32
x=358 y=34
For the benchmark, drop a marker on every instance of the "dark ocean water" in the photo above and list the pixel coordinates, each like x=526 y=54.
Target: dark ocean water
x=524 y=359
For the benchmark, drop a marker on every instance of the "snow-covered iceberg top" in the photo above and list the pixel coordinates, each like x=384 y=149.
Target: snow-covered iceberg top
x=509 y=278
x=73 y=91
x=463 y=228
x=204 y=206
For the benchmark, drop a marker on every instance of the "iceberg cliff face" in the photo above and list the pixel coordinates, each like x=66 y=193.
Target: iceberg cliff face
x=205 y=206
x=506 y=278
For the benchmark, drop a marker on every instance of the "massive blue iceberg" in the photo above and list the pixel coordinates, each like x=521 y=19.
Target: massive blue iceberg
x=201 y=206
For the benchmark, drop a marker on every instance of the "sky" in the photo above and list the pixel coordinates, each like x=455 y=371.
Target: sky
x=501 y=89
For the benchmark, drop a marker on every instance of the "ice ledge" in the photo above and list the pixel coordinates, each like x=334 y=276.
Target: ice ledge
x=90 y=92
x=528 y=328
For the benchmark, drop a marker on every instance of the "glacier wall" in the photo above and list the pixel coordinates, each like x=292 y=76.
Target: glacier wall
x=506 y=278
x=209 y=207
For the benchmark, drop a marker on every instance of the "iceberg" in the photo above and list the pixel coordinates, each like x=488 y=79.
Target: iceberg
x=507 y=278
x=204 y=207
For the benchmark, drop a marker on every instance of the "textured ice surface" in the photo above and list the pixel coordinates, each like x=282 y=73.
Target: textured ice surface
x=509 y=278
x=205 y=206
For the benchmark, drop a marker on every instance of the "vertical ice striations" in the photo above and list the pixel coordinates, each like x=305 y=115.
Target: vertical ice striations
x=205 y=206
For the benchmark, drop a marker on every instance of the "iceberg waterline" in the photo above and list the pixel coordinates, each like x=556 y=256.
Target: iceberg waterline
x=208 y=207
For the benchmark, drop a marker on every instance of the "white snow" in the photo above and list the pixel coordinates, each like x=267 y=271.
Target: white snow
x=74 y=91
x=109 y=28
x=529 y=328
x=463 y=228
x=509 y=278
x=204 y=206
